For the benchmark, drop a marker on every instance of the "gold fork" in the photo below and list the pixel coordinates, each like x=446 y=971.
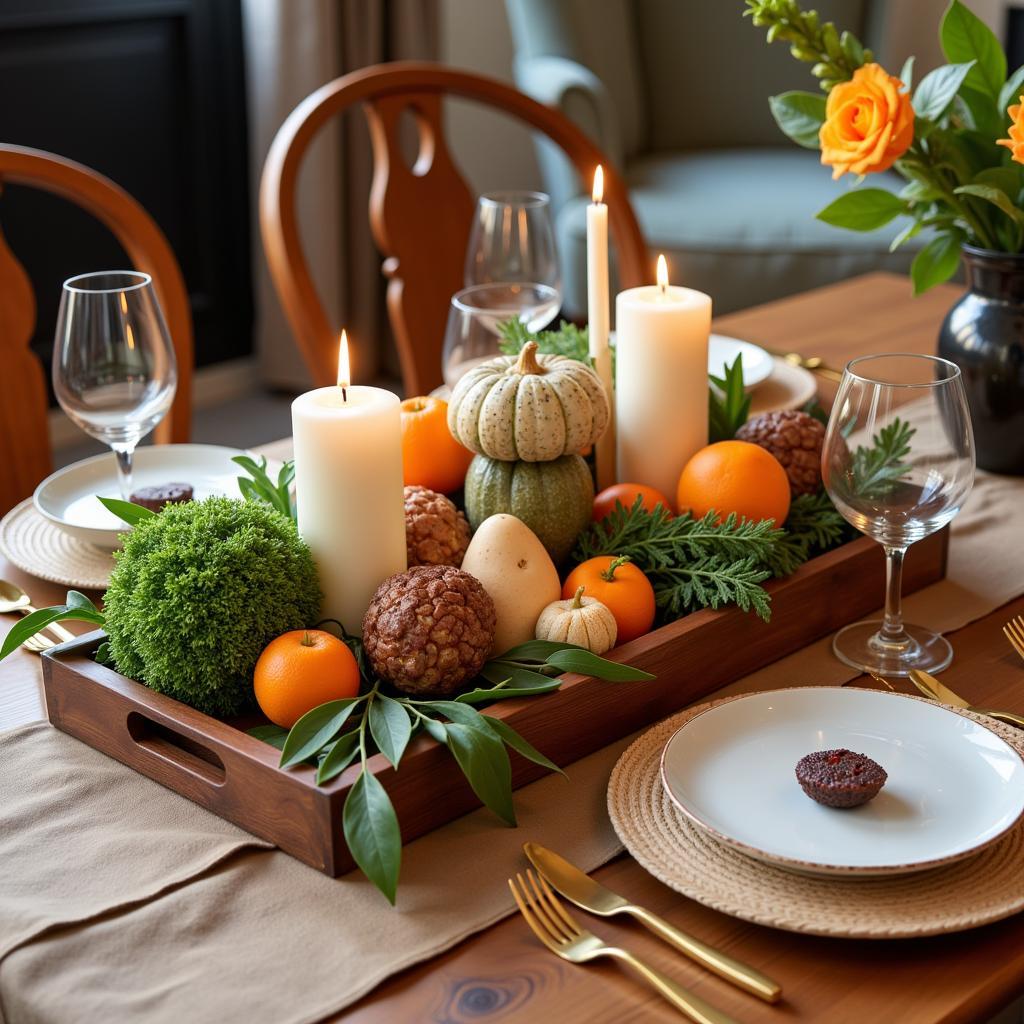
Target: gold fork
x=38 y=643
x=554 y=926
x=1014 y=631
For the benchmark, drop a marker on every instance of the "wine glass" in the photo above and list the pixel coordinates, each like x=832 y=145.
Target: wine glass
x=898 y=462
x=114 y=369
x=475 y=318
x=512 y=241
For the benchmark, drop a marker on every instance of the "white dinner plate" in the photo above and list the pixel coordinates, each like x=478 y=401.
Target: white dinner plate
x=722 y=352
x=68 y=497
x=954 y=787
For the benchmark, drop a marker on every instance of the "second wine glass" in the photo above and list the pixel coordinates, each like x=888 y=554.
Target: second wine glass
x=114 y=370
x=898 y=463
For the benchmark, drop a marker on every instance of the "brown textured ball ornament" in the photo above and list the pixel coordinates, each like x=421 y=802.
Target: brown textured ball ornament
x=436 y=532
x=795 y=439
x=429 y=630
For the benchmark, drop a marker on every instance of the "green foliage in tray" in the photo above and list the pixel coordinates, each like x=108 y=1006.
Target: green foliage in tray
x=197 y=593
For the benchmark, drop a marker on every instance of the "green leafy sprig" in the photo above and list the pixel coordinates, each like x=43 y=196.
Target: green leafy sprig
x=566 y=340
x=728 y=403
x=875 y=470
x=258 y=486
x=333 y=735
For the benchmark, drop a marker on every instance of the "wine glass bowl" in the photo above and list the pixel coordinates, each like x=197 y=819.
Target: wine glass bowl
x=114 y=369
x=898 y=463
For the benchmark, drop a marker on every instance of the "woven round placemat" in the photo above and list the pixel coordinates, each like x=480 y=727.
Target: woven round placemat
x=38 y=547
x=968 y=894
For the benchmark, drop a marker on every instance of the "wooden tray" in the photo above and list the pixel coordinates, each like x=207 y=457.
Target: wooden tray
x=219 y=766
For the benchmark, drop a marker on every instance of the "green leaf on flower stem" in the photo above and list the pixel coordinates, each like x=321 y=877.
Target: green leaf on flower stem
x=965 y=37
x=986 y=117
x=482 y=756
x=316 y=728
x=1009 y=179
x=589 y=664
x=936 y=262
x=906 y=75
x=1010 y=92
x=936 y=90
x=390 y=727
x=995 y=196
x=372 y=833
x=863 y=209
x=37 y=620
x=517 y=743
x=905 y=235
x=535 y=650
x=127 y=511
x=340 y=754
x=799 y=115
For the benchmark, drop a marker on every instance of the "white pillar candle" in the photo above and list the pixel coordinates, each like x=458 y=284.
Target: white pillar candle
x=348 y=491
x=597 y=322
x=661 y=386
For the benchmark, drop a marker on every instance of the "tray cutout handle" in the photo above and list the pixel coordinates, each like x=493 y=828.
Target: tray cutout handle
x=180 y=751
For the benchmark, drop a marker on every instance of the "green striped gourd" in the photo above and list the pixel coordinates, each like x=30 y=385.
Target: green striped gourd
x=533 y=408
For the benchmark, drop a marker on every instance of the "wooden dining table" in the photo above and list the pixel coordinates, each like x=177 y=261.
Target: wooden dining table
x=503 y=974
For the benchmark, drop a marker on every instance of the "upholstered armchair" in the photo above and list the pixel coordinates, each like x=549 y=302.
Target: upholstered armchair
x=676 y=91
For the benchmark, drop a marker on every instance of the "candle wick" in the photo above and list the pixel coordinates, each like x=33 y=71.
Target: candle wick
x=663 y=287
x=344 y=393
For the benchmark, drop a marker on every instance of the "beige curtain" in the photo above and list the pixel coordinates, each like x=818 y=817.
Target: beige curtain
x=292 y=48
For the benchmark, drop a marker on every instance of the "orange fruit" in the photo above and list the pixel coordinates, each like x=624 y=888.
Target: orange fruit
x=626 y=494
x=621 y=587
x=301 y=670
x=734 y=476
x=431 y=457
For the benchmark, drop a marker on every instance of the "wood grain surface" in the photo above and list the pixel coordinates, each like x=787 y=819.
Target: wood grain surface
x=504 y=975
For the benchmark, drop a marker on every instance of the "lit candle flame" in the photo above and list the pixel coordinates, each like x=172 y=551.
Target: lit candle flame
x=344 y=374
x=598 y=193
x=662 y=272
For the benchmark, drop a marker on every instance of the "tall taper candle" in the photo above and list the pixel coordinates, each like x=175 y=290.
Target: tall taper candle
x=597 y=322
x=661 y=396
x=348 y=490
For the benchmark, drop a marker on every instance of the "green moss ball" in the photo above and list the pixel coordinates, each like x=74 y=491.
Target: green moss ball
x=199 y=590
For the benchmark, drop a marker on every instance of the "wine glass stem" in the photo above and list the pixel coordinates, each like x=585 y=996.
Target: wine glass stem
x=892 y=631
x=124 y=470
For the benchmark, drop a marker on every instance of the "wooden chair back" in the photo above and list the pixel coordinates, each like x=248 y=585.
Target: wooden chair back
x=24 y=435
x=420 y=216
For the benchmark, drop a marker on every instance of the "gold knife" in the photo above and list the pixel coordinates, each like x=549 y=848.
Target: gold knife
x=582 y=890
x=931 y=687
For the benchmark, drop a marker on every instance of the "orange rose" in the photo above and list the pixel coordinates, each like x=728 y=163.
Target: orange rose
x=869 y=123
x=1015 y=143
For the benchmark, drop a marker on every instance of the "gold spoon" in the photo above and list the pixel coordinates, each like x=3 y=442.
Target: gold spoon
x=14 y=599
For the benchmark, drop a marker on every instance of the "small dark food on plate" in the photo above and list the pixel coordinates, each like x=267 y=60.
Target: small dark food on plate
x=154 y=498
x=840 y=778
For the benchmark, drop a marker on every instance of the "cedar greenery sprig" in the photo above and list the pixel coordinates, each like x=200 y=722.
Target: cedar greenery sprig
x=566 y=340
x=333 y=735
x=875 y=470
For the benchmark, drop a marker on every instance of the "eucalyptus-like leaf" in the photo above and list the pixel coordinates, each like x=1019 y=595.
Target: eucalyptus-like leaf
x=535 y=650
x=799 y=115
x=517 y=743
x=275 y=735
x=459 y=712
x=390 y=727
x=965 y=37
x=482 y=756
x=434 y=729
x=338 y=756
x=515 y=675
x=589 y=664
x=372 y=833
x=936 y=90
x=1011 y=91
x=484 y=696
x=863 y=209
x=906 y=75
x=316 y=728
x=37 y=620
x=127 y=511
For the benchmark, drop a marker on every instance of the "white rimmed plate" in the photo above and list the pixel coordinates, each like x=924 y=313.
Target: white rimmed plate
x=954 y=787
x=67 y=498
x=723 y=350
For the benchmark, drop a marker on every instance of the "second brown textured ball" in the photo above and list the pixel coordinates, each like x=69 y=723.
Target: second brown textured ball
x=436 y=532
x=795 y=439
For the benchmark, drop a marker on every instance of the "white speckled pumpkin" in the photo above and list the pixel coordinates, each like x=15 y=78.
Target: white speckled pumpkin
x=583 y=621
x=530 y=408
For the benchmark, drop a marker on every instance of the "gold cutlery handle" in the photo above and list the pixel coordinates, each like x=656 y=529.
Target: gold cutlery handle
x=741 y=974
x=1003 y=716
x=682 y=999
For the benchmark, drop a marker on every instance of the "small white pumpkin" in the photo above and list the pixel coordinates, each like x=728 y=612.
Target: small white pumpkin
x=530 y=408
x=583 y=621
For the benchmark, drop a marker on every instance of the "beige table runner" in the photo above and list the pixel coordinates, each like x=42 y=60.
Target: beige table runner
x=259 y=936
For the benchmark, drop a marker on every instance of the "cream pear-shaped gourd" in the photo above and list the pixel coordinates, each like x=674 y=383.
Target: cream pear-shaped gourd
x=580 y=620
x=516 y=570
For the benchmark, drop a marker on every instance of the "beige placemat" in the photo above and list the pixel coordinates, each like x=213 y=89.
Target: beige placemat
x=37 y=546
x=971 y=893
x=80 y=835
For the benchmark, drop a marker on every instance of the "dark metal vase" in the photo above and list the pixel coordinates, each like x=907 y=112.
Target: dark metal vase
x=984 y=335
